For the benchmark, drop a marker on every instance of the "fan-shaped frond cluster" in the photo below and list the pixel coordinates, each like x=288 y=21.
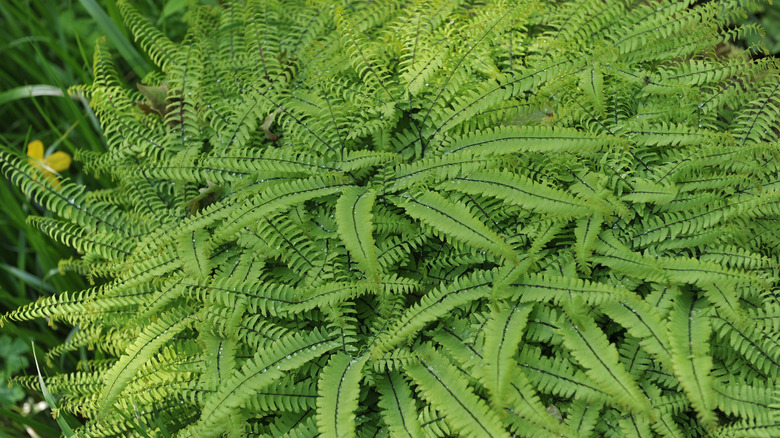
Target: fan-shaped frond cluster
x=427 y=218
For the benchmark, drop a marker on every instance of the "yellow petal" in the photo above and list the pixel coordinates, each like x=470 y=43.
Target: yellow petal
x=58 y=161
x=35 y=150
x=52 y=179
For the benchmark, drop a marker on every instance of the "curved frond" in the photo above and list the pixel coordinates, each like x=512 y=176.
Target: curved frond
x=339 y=386
x=689 y=331
x=440 y=384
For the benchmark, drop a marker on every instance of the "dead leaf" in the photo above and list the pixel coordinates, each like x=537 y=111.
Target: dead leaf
x=156 y=99
x=266 y=127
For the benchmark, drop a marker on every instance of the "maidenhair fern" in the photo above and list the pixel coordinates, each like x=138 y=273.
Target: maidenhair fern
x=427 y=218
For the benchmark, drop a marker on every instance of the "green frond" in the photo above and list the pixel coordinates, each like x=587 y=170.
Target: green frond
x=760 y=349
x=725 y=297
x=103 y=70
x=104 y=246
x=63 y=198
x=748 y=402
x=454 y=220
x=138 y=353
x=194 y=249
x=399 y=410
x=159 y=48
x=589 y=345
x=586 y=233
x=559 y=377
x=285 y=397
x=689 y=332
x=262 y=370
x=81 y=338
x=362 y=56
x=503 y=334
x=262 y=36
x=354 y=220
x=436 y=169
x=582 y=417
x=433 y=423
x=644 y=323
x=650 y=192
x=737 y=257
x=431 y=307
x=58 y=306
x=672 y=135
x=440 y=384
x=289 y=241
x=523 y=139
x=517 y=190
x=262 y=298
x=339 y=385
x=278 y=197
x=746 y=429
x=543 y=288
x=758 y=123
x=331 y=294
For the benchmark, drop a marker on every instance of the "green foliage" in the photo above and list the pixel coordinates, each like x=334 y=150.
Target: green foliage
x=46 y=46
x=12 y=353
x=426 y=218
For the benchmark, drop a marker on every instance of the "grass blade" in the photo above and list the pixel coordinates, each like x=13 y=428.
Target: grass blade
x=116 y=38
x=66 y=429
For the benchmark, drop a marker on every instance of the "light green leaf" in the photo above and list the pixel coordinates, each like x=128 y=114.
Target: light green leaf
x=689 y=332
x=444 y=387
x=454 y=220
x=339 y=395
x=354 y=220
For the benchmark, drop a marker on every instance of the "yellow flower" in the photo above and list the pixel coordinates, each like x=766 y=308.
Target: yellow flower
x=51 y=165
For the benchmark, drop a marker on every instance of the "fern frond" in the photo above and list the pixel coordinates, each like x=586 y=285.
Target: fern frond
x=760 y=349
x=517 y=190
x=266 y=367
x=513 y=140
x=431 y=306
x=141 y=350
x=559 y=377
x=503 y=333
x=159 y=48
x=275 y=198
x=590 y=346
x=644 y=323
x=339 y=386
x=65 y=199
x=689 y=331
x=440 y=384
x=453 y=219
x=759 y=122
x=104 y=246
x=354 y=220
x=542 y=288
x=399 y=410
x=748 y=402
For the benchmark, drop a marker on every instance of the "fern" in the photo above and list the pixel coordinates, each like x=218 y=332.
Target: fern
x=399 y=412
x=339 y=388
x=440 y=386
x=690 y=360
x=425 y=218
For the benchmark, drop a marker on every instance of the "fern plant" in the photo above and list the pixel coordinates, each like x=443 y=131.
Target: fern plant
x=426 y=218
